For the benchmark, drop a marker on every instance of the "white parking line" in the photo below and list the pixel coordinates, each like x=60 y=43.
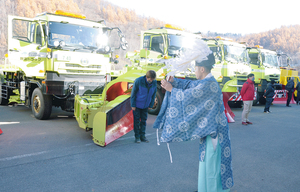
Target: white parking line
x=22 y=156
x=43 y=152
x=7 y=123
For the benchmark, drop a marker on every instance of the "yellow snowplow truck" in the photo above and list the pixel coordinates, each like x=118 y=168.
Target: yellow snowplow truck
x=53 y=57
x=286 y=72
x=265 y=67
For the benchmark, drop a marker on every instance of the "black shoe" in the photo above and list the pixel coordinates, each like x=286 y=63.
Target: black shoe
x=137 y=140
x=289 y=106
x=144 y=139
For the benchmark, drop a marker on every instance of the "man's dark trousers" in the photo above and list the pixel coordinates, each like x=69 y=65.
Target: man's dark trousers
x=268 y=104
x=290 y=94
x=140 y=118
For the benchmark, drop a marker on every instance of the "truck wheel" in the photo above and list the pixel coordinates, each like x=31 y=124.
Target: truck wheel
x=262 y=100
x=236 y=104
x=157 y=103
x=256 y=102
x=2 y=100
x=41 y=105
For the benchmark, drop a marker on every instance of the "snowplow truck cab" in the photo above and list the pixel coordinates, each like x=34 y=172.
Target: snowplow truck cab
x=264 y=64
x=53 y=57
x=232 y=61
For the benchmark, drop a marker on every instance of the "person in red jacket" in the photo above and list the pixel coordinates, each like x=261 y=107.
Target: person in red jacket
x=247 y=94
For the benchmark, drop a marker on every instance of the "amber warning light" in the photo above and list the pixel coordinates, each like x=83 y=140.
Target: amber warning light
x=60 y=12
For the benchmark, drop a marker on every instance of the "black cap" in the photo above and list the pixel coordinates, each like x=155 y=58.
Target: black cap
x=209 y=62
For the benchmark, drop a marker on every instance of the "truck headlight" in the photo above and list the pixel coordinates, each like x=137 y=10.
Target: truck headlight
x=56 y=43
x=124 y=46
x=107 y=49
x=62 y=43
x=123 y=40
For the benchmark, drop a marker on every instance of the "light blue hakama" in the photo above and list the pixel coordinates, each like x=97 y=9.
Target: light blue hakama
x=209 y=178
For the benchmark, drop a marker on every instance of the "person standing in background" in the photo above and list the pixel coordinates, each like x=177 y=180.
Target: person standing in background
x=268 y=95
x=247 y=94
x=298 y=92
x=290 y=90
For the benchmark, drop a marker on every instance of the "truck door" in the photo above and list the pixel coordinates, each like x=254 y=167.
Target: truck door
x=26 y=45
x=256 y=64
x=154 y=43
x=260 y=70
x=218 y=69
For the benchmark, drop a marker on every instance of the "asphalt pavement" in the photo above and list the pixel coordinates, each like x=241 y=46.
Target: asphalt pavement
x=57 y=155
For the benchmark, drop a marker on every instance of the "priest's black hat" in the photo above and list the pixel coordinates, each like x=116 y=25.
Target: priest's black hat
x=208 y=63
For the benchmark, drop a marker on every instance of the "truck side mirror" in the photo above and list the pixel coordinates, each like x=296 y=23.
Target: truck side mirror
x=124 y=44
x=46 y=30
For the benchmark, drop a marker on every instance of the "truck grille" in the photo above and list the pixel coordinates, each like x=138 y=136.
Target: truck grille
x=72 y=68
x=82 y=71
x=79 y=66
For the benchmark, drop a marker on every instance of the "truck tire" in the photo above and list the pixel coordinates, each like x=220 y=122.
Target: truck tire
x=256 y=101
x=157 y=103
x=2 y=100
x=236 y=104
x=262 y=100
x=41 y=105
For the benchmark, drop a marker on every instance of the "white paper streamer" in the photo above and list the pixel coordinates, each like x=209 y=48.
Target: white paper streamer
x=157 y=137
x=198 y=52
x=170 y=153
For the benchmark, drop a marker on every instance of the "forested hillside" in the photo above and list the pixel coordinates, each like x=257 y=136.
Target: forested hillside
x=285 y=39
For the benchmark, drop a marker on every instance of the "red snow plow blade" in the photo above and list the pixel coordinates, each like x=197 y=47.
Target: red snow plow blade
x=112 y=124
x=281 y=96
x=229 y=114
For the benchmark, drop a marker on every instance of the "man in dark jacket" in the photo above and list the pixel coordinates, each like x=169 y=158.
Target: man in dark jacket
x=269 y=94
x=142 y=97
x=247 y=94
x=298 y=92
x=290 y=90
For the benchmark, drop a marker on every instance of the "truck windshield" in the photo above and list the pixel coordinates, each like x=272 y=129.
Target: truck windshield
x=76 y=36
x=236 y=54
x=270 y=59
x=178 y=43
x=283 y=60
x=217 y=52
x=154 y=42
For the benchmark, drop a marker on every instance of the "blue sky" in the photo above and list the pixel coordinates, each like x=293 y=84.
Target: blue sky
x=232 y=16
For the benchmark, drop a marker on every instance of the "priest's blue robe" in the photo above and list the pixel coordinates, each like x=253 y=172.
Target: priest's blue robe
x=194 y=110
